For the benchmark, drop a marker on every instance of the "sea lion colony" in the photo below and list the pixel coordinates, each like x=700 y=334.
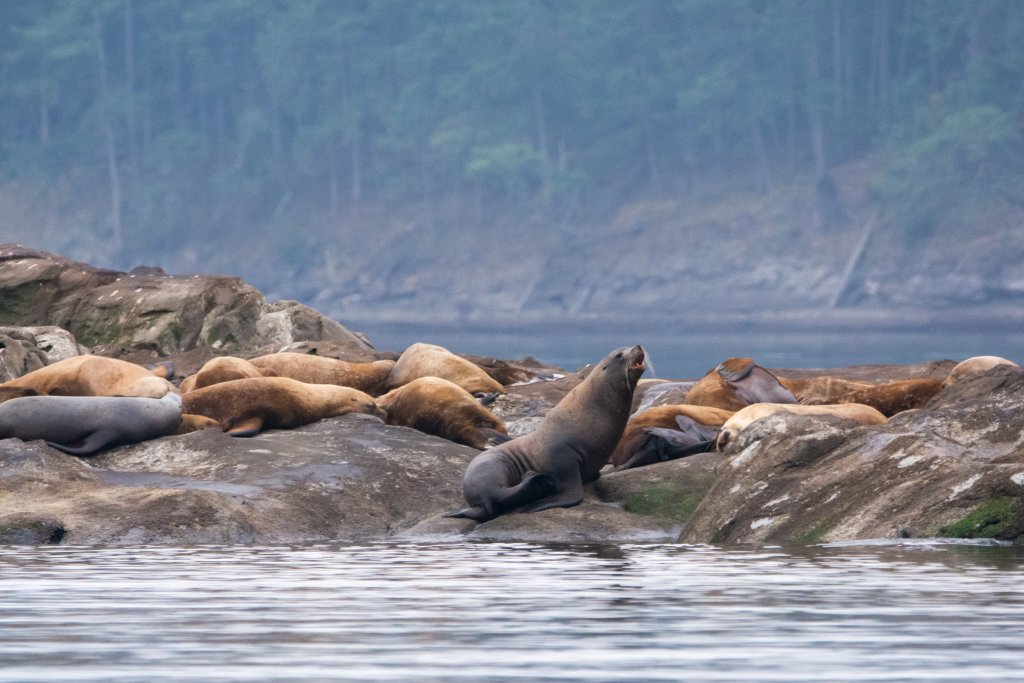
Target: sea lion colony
x=89 y=403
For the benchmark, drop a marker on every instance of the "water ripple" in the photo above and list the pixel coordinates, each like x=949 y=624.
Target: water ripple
x=512 y=612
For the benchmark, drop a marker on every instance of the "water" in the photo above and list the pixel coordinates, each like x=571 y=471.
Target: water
x=922 y=611
x=689 y=354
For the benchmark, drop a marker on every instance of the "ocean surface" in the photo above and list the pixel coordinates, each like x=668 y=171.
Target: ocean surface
x=895 y=611
x=689 y=354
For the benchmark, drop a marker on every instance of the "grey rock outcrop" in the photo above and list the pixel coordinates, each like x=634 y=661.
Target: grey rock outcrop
x=149 y=312
x=954 y=468
x=24 y=349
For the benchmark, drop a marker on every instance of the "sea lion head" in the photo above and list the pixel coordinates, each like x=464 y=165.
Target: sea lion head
x=625 y=366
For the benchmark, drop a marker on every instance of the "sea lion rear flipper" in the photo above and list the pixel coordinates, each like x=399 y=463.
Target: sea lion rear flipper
x=735 y=369
x=250 y=426
x=495 y=438
x=96 y=441
x=486 y=398
x=566 y=498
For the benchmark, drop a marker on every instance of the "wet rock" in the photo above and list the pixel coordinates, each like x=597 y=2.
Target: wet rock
x=953 y=468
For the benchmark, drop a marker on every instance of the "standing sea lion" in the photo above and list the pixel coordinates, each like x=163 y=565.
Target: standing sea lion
x=548 y=467
x=442 y=408
x=244 y=407
x=737 y=383
x=82 y=425
x=321 y=370
x=93 y=376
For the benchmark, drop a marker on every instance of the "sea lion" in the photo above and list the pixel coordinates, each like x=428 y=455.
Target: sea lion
x=245 y=407
x=737 y=383
x=222 y=369
x=7 y=393
x=651 y=393
x=442 y=408
x=888 y=398
x=94 y=376
x=322 y=370
x=82 y=425
x=547 y=468
x=430 y=360
x=666 y=433
x=973 y=365
x=865 y=415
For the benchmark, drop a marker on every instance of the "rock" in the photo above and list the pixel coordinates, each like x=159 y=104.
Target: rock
x=24 y=349
x=147 y=312
x=348 y=478
x=955 y=468
x=667 y=490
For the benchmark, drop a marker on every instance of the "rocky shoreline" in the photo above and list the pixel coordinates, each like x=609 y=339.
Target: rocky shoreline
x=953 y=468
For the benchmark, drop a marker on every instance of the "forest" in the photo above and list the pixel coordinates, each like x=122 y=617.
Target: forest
x=184 y=122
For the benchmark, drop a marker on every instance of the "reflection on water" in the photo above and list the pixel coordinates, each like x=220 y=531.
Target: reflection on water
x=504 y=612
x=688 y=353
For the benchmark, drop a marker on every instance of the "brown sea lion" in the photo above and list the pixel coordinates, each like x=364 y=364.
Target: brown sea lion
x=245 y=407
x=973 y=365
x=322 y=370
x=82 y=425
x=442 y=408
x=94 y=376
x=222 y=369
x=888 y=398
x=194 y=423
x=865 y=415
x=7 y=393
x=430 y=360
x=547 y=468
x=666 y=433
x=736 y=383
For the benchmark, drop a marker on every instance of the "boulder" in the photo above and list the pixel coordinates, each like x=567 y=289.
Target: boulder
x=24 y=349
x=146 y=314
x=348 y=478
x=954 y=468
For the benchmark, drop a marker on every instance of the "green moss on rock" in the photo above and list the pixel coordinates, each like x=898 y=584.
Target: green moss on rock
x=816 y=534
x=1001 y=518
x=16 y=303
x=665 y=501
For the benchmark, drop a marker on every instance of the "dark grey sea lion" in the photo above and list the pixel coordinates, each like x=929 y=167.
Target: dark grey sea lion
x=547 y=468
x=83 y=425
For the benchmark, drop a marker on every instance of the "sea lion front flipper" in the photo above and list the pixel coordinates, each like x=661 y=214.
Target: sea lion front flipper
x=250 y=426
x=475 y=513
x=735 y=369
x=96 y=441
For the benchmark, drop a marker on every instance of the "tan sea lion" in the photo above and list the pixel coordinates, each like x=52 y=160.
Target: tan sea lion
x=865 y=415
x=666 y=433
x=94 y=376
x=442 y=408
x=973 y=365
x=548 y=467
x=430 y=360
x=82 y=425
x=245 y=407
x=888 y=398
x=222 y=369
x=194 y=423
x=736 y=383
x=322 y=370
x=7 y=393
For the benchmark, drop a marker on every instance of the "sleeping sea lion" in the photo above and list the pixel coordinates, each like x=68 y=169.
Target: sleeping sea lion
x=322 y=370
x=888 y=398
x=736 y=383
x=245 y=407
x=94 y=376
x=82 y=425
x=548 y=468
x=666 y=433
x=222 y=369
x=865 y=415
x=442 y=408
x=973 y=365
x=430 y=360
